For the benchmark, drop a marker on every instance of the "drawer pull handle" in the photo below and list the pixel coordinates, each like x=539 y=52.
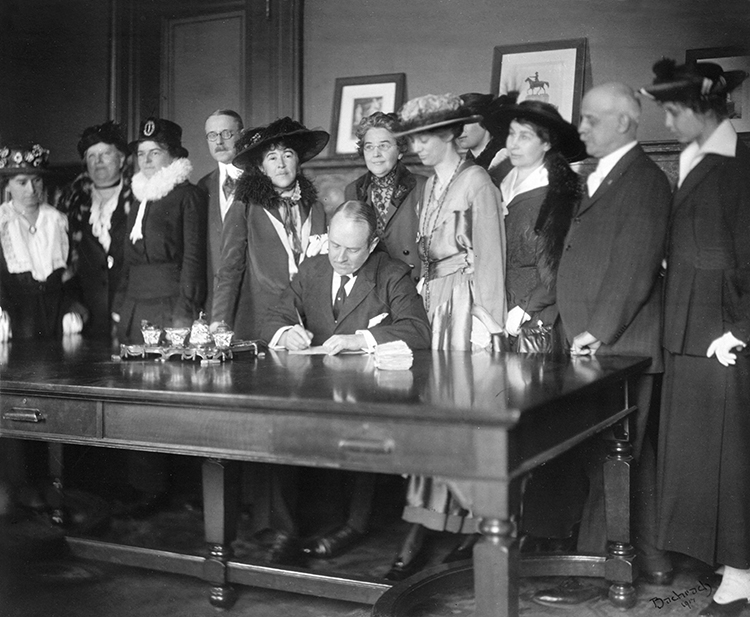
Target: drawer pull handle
x=368 y=446
x=20 y=414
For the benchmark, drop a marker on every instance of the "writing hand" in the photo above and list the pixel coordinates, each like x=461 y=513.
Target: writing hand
x=585 y=344
x=723 y=348
x=344 y=342
x=296 y=338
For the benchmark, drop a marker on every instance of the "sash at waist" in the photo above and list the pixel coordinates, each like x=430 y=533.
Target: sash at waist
x=447 y=265
x=154 y=281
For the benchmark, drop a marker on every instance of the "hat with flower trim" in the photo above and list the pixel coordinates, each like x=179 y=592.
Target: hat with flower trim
x=16 y=160
x=434 y=111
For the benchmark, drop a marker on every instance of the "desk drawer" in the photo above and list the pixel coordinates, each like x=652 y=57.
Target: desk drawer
x=377 y=446
x=30 y=414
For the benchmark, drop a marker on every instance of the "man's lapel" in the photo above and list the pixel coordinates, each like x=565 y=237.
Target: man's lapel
x=611 y=178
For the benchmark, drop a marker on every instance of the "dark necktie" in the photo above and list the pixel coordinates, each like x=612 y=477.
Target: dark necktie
x=228 y=186
x=338 y=303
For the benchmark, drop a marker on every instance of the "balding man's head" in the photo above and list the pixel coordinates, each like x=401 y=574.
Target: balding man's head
x=609 y=118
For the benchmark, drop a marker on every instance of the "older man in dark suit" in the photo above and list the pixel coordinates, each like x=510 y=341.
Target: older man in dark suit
x=609 y=296
x=353 y=298
x=223 y=128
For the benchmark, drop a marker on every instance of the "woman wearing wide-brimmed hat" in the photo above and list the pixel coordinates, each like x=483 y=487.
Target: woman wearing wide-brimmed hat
x=703 y=487
x=269 y=228
x=274 y=222
x=541 y=193
x=462 y=246
x=164 y=275
x=33 y=249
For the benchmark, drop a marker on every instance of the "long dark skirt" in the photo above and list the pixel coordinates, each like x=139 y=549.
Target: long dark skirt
x=704 y=460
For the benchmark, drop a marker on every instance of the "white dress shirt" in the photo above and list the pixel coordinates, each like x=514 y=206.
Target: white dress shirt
x=607 y=164
x=233 y=172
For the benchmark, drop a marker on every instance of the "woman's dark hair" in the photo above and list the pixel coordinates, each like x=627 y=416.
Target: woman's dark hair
x=362 y=213
x=380 y=120
x=257 y=158
x=542 y=132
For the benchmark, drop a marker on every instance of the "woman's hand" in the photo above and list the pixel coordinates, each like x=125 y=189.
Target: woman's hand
x=516 y=318
x=5 y=331
x=723 y=347
x=72 y=323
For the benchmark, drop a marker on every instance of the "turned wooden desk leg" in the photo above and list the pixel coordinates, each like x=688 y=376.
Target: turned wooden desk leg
x=496 y=569
x=618 y=568
x=220 y=508
x=56 y=497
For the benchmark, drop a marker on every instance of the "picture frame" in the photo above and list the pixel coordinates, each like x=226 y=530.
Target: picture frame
x=357 y=97
x=551 y=71
x=729 y=58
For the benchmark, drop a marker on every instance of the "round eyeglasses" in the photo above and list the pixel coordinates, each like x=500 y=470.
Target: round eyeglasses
x=225 y=135
x=382 y=147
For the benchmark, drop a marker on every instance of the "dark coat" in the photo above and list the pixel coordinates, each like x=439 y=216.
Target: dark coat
x=215 y=227
x=164 y=277
x=535 y=228
x=96 y=272
x=402 y=216
x=251 y=248
x=382 y=286
x=708 y=280
x=704 y=457
x=608 y=281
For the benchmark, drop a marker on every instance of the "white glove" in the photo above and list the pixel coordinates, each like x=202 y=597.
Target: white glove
x=723 y=348
x=5 y=331
x=516 y=317
x=317 y=245
x=72 y=323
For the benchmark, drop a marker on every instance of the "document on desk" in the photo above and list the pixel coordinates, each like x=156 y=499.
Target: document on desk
x=319 y=350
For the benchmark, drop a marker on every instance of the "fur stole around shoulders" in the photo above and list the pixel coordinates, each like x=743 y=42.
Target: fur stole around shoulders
x=254 y=188
x=555 y=215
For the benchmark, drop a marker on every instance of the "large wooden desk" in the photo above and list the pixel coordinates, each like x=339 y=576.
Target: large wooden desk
x=480 y=420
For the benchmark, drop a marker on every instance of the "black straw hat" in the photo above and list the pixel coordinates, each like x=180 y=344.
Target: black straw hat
x=691 y=81
x=109 y=133
x=307 y=143
x=547 y=116
x=161 y=131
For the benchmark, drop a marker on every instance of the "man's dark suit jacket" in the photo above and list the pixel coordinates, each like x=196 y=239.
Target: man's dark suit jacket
x=210 y=185
x=383 y=285
x=608 y=282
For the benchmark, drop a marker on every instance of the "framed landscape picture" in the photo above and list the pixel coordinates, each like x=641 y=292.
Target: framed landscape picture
x=358 y=97
x=551 y=72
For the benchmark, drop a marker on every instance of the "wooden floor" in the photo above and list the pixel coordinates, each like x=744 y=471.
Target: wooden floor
x=59 y=586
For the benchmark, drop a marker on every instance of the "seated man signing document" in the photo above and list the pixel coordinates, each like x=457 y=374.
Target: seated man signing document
x=351 y=299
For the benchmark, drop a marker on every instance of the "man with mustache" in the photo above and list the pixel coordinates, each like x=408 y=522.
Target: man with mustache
x=223 y=128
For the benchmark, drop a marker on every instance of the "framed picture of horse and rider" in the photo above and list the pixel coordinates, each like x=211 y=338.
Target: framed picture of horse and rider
x=551 y=71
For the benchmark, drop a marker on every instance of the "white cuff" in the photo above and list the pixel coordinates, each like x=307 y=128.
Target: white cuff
x=370 y=341
x=274 y=344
